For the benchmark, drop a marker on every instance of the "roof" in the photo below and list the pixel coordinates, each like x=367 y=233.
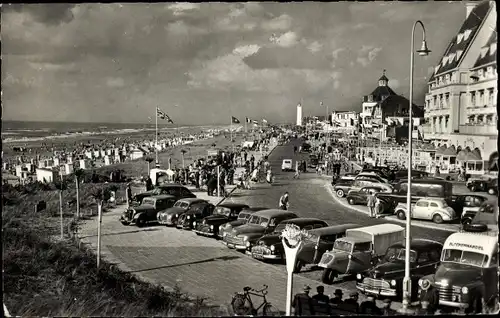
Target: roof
x=233 y=205
x=378 y=229
x=335 y=229
x=472 y=23
x=491 y=55
x=273 y=213
x=303 y=221
x=418 y=244
x=473 y=242
x=382 y=91
x=397 y=106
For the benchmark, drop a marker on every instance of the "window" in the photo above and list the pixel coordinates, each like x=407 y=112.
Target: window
x=491 y=93
x=484 y=50
x=362 y=247
x=471 y=119
x=489 y=119
x=494 y=260
x=459 y=38
x=434 y=255
x=441 y=101
x=447 y=100
x=444 y=60
x=423 y=257
x=434 y=205
x=307 y=227
x=466 y=34
x=493 y=48
x=459 y=54
x=473 y=99
x=480 y=74
x=422 y=204
x=480 y=119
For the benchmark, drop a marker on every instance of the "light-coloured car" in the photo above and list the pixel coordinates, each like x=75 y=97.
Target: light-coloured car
x=435 y=209
x=287 y=165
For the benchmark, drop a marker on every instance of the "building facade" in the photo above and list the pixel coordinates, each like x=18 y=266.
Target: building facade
x=460 y=105
x=345 y=121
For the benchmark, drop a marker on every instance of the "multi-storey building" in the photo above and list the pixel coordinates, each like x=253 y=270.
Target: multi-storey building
x=345 y=121
x=460 y=106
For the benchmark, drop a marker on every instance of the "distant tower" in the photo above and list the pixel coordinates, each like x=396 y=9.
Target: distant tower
x=299 y=115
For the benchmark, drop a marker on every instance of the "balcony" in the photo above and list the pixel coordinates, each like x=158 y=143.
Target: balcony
x=478 y=129
x=475 y=110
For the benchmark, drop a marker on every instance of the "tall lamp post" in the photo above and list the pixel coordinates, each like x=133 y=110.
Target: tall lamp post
x=424 y=51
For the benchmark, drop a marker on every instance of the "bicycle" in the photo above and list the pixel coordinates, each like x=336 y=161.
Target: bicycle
x=243 y=305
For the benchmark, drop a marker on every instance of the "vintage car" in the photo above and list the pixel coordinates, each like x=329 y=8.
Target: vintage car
x=196 y=212
x=386 y=278
x=489 y=185
x=270 y=246
x=467 y=277
x=367 y=181
x=434 y=209
x=170 y=216
x=287 y=165
x=371 y=176
x=147 y=211
x=361 y=196
x=259 y=224
x=243 y=218
x=359 y=250
x=320 y=240
x=467 y=205
x=177 y=190
x=341 y=188
x=223 y=213
x=313 y=161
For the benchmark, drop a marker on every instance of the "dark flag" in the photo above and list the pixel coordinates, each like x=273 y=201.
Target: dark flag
x=162 y=115
x=235 y=120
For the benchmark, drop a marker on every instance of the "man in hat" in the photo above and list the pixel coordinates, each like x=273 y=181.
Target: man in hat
x=337 y=297
x=320 y=296
x=369 y=307
x=386 y=308
x=302 y=303
x=351 y=303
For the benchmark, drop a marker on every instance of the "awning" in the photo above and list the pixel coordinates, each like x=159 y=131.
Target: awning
x=462 y=155
x=472 y=156
x=450 y=151
x=440 y=150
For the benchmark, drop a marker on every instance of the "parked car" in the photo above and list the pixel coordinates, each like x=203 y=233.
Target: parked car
x=224 y=212
x=196 y=212
x=320 y=240
x=342 y=187
x=488 y=184
x=434 y=209
x=270 y=246
x=385 y=173
x=361 y=196
x=468 y=274
x=170 y=216
x=402 y=174
x=287 y=165
x=146 y=212
x=362 y=182
x=421 y=188
x=243 y=218
x=371 y=176
x=466 y=205
x=259 y=224
x=349 y=176
x=177 y=190
x=386 y=278
x=365 y=245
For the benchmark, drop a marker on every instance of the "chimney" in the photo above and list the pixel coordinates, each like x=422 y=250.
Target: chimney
x=469 y=6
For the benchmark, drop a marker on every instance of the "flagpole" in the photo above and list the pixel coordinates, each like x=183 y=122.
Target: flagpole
x=156 y=137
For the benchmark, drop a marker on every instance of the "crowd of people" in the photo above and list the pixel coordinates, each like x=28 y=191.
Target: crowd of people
x=320 y=304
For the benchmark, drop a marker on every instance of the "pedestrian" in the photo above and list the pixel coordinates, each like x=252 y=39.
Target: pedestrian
x=371 y=204
x=149 y=184
x=297 y=170
x=378 y=205
x=351 y=303
x=283 y=203
x=302 y=303
x=320 y=296
x=369 y=307
x=424 y=309
x=337 y=297
x=386 y=309
x=129 y=193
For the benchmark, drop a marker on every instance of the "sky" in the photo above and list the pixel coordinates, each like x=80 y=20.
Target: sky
x=202 y=63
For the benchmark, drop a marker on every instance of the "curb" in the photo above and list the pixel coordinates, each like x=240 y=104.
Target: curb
x=389 y=217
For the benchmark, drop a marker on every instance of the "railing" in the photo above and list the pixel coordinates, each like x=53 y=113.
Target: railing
x=478 y=129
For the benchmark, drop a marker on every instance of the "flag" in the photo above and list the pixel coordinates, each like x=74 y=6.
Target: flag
x=248 y=120
x=264 y=120
x=234 y=120
x=161 y=114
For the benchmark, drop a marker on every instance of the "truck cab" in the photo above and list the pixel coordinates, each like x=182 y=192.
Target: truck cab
x=467 y=278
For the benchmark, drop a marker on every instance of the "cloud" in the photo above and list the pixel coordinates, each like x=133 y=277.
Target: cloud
x=281 y=23
x=367 y=54
x=115 y=82
x=246 y=50
x=54 y=14
x=336 y=52
x=181 y=8
x=315 y=47
x=362 y=25
x=287 y=39
x=298 y=57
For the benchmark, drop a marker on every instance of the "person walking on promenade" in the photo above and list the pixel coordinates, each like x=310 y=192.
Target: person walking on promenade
x=149 y=184
x=320 y=296
x=129 y=193
x=297 y=170
x=302 y=303
x=283 y=203
x=371 y=204
x=378 y=205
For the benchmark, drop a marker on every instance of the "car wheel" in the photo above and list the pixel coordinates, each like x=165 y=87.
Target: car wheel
x=438 y=219
x=473 y=188
x=401 y=215
x=466 y=221
x=125 y=223
x=141 y=222
x=340 y=193
x=491 y=191
x=351 y=201
x=328 y=276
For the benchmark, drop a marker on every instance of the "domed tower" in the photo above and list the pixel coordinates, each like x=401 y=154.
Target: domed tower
x=383 y=80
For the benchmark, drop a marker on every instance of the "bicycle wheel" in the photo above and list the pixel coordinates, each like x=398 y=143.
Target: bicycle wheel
x=270 y=311
x=240 y=305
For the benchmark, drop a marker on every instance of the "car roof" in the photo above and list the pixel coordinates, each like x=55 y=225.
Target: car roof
x=335 y=229
x=483 y=243
x=418 y=244
x=232 y=205
x=270 y=213
x=171 y=185
x=429 y=181
x=432 y=199
x=253 y=209
x=161 y=196
x=379 y=229
x=303 y=221
x=191 y=200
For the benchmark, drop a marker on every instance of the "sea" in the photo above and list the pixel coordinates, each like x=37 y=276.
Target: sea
x=24 y=131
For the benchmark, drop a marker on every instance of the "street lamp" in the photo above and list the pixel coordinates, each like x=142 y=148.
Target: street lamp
x=424 y=51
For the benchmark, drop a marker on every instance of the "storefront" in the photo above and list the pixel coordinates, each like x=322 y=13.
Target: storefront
x=471 y=161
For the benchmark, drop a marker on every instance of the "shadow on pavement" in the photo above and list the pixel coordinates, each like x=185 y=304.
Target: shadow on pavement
x=222 y=258
x=124 y=232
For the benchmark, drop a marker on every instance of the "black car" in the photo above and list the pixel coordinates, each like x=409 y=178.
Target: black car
x=270 y=246
x=306 y=147
x=196 y=212
x=461 y=201
x=361 y=196
x=386 y=278
x=490 y=186
x=170 y=216
x=223 y=213
x=177 y=190
x=242 y=218
x=342 y=187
